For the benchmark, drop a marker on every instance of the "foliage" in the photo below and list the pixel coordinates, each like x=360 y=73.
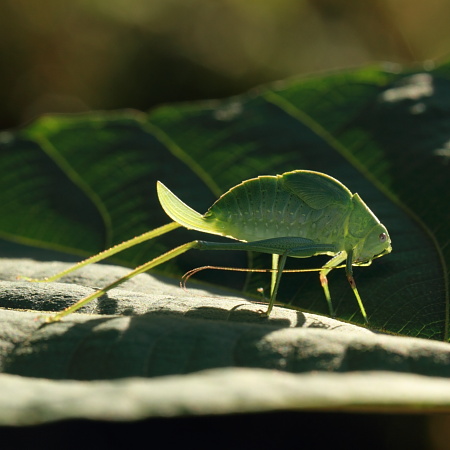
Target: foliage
x=82 y=183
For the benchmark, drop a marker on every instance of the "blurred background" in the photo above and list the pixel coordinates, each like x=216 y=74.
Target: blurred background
x=60 y=56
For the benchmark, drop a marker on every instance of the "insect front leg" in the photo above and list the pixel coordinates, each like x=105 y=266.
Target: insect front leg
x=330 y=265
x=351 y=280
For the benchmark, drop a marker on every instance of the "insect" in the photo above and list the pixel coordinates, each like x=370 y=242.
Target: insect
x=297 y=214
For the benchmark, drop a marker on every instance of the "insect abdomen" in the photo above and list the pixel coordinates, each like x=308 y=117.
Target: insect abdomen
x=262 y=208
x=296 y=204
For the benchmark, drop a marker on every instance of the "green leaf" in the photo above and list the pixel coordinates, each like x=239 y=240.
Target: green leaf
x=82 y=183
x=174 y=353
x=88 y=182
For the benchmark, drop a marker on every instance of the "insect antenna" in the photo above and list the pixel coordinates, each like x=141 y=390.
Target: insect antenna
x=192 y=272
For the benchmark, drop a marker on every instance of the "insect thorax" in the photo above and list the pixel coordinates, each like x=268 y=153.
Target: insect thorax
x=361 y=219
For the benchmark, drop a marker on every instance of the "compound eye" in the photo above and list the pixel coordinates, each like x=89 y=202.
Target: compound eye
x=382 y=237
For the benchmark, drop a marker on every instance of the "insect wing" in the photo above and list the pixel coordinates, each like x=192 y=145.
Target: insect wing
x=316 y=189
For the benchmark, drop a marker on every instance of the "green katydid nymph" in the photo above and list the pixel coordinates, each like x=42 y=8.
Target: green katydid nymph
x=298 y=214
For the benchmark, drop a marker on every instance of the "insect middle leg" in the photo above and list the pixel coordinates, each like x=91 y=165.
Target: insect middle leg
x=278 y=264
x=280 y=248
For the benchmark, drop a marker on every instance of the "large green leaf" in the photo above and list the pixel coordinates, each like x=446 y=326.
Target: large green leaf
x=79 y=184
x=171 y=353
x=88 y=181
